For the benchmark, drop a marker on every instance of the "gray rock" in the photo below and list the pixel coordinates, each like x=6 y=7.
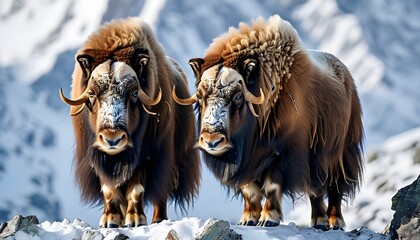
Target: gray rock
x=218 y=229
x=92 y=235
x=172 y=235
x=365 y=233
x=406 y=204
x=121 y=236
x=411 y=230
x=27 y=224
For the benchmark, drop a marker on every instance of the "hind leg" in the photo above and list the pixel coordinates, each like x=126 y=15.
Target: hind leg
x=335 y=217
x=252 y=197
x=319 y=218
x=159 y=212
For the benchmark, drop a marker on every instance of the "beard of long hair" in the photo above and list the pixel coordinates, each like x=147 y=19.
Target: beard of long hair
x=226 y=166
x=114 y=170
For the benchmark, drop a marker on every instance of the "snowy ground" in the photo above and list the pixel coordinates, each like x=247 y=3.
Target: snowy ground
x=187 y=228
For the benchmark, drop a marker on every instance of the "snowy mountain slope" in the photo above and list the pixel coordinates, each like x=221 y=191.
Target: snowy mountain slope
x=391 y=166
x=35 y=131
x=38 y=31
x=392 y=31
x=38 y=57
x=27 y=176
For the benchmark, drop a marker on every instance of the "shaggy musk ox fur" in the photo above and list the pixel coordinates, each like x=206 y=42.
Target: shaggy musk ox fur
x=134 y=145
x=275 y=118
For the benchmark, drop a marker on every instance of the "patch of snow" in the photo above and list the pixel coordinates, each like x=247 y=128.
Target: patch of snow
x=188 y=228
x=52 y=27
x=151 y=11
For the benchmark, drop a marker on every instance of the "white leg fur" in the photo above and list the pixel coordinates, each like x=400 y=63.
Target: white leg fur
x=112 y=200
x=133 y=217
x=271 y=215
x=252 y=196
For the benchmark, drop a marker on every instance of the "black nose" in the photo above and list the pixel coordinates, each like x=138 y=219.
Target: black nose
x=214 y=144
x=112 y=143
x=112 y=138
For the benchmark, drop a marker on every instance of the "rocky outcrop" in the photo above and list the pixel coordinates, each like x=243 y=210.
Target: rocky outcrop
x=406 y=204
x=92 y=235
x=26 y=224
x=217 y=229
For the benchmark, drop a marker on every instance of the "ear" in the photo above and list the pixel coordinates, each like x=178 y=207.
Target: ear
x=143 y=59
x=140 y=60
x=86 y=64
x=248 y=66
x=195 y=64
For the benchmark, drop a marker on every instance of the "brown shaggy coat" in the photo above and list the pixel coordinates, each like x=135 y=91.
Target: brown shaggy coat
x=164 y=158
x=308 y=136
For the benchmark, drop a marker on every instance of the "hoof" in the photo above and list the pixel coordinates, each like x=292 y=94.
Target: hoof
x=135 y=220
x=109 y=225
x=327 y=228
x=248 y=223
x=113 y=225
x=322 y=227
x=110 y=220
x=133 y=225
x=158 y=220
x=267 y=224
x=270 y=218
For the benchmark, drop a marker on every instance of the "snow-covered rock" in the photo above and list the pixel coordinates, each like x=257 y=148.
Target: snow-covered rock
x=185 y=229
x=406 y=221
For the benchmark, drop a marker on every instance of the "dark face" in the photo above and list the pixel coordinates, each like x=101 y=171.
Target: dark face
x=222 y=107
x=113 y=97
x=222 y=94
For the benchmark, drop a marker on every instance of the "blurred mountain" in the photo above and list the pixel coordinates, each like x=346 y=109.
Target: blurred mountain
x=377 y=40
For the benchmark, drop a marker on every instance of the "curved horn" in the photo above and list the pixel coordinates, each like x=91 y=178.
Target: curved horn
x=148 y=111
x=148 y=101
x=251 y=97
x=186 y=101
x=82 y=99
x=77 y=112
x=251 y=108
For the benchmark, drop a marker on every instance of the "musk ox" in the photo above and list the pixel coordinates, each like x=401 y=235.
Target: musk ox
x=275 y=118
x=134 y=144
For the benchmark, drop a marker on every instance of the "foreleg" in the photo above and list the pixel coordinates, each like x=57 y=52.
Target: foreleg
x=271 y=215
x=252 y=197
x=112 y=215
x=135 y=208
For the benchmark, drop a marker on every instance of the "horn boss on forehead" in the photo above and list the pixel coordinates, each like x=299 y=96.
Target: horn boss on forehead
x=137 y=57
x=248 y=67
